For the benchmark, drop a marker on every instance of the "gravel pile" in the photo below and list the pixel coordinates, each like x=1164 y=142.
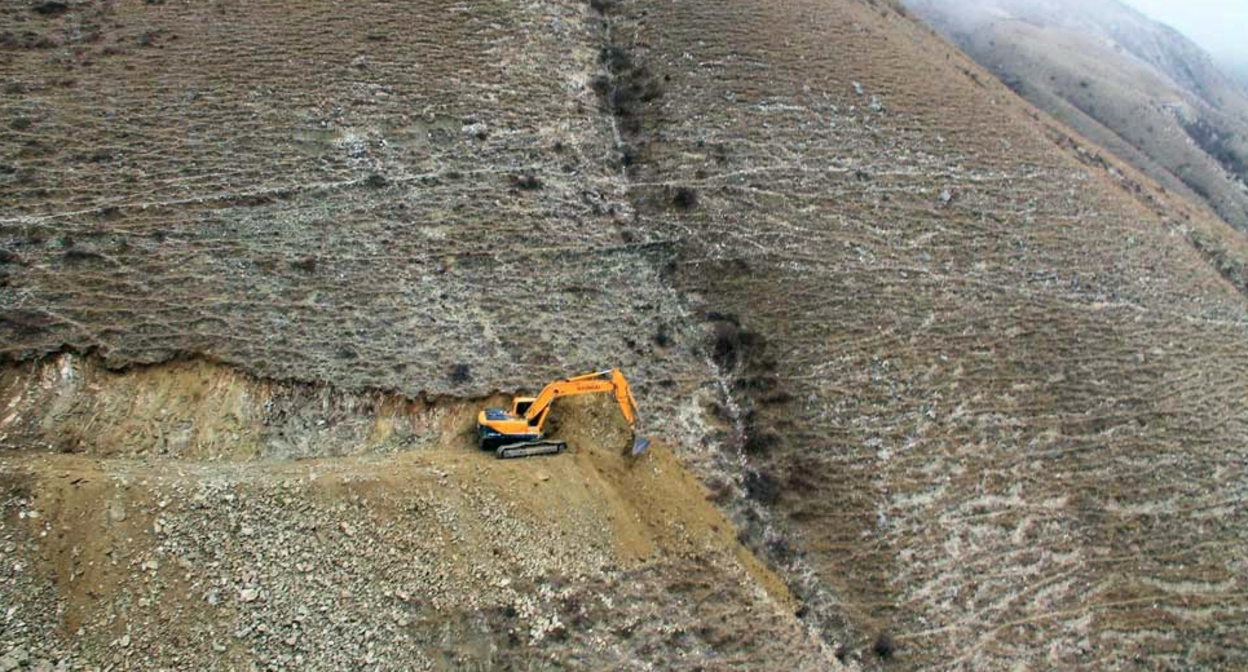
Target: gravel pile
x=377 y=566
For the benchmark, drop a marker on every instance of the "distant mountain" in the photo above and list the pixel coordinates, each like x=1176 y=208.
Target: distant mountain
x=1238 y=69
x=1137 y=87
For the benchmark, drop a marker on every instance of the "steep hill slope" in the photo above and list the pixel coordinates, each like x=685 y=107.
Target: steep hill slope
x=183 y=552
x=972 y=390
x=1136 y=87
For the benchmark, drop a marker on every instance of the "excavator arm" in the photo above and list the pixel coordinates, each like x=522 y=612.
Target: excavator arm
x=590 y=383
x=518 y=433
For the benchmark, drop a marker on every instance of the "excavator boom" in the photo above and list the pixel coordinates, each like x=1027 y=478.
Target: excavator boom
x=518 y=432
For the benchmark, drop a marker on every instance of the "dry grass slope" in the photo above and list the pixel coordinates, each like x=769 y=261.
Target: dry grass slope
x=973 y=390
x=987 y=338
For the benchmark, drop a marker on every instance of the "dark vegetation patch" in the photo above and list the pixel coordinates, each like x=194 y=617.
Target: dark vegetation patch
x=884 y=647
x=527 y=182
x=762 y=487
x=1216 y=143
x=627 y=88
x=732 y=343
x=79 y=255
x=307 y=264
x=24 y=322
x=615 y=59
x=51 y=8
x=253 y=200
x=1230 y=266
x=781 y=550
x=685 y=198
x=376 y=181
x=661 y=337
x=460 y=373
x=759 y=440
x=757 y=393
x=720 y=491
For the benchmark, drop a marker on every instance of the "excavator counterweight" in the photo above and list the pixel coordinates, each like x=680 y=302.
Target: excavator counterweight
x=518 y=432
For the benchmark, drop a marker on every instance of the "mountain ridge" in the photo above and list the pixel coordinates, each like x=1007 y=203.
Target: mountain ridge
x=1139 y=88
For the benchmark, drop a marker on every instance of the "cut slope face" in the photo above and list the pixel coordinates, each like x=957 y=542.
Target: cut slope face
x=1137 y=88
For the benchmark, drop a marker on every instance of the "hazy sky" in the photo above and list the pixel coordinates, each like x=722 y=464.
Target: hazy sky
x=1220 y=26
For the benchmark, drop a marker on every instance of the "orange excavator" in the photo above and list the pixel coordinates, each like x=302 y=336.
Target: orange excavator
x=518 y=432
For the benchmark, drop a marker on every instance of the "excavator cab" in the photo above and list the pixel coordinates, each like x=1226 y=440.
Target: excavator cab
x=518 y=432
x=511 y=429
x=522 y=405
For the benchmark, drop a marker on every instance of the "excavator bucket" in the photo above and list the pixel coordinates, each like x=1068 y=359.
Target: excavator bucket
x=640 y=444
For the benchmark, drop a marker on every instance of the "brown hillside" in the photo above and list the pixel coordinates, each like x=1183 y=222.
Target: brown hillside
x=971 y=389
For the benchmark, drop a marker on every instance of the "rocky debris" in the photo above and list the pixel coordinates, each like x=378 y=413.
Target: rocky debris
x=346 y=563
x=16 y=658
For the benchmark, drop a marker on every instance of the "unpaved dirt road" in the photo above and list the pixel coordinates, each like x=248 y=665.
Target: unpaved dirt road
x=440 y=557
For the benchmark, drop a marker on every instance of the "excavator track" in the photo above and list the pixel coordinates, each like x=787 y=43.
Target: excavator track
x=530 y=449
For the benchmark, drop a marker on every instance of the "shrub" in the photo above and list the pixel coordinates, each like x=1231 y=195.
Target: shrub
x=884 y=648
x=615 y=58
x=307 y=264
x=727 y=342
x=734 y=345
x=781 y=550
x=661 y=337
x=601 y=84
x=460 y=373
x=75 y=254
x=685 y=198
x=762 y=487
x=758 y=441
x=527 y=182
x=51 y=8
